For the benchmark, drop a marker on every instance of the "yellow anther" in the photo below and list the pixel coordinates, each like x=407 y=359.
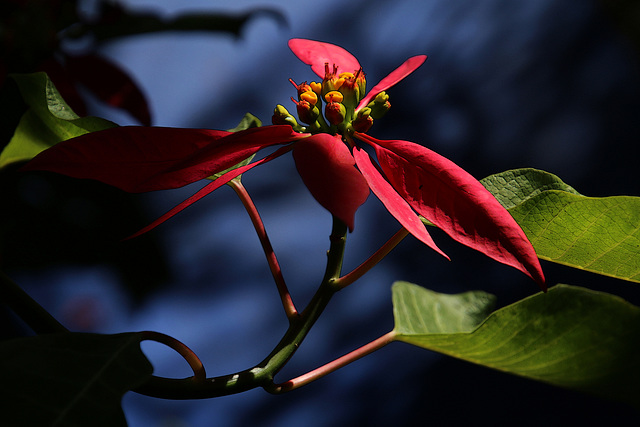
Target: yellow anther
x=346 y=75
x=310 y=97
x=316 y=87
x=338 y=83
x=333 y=96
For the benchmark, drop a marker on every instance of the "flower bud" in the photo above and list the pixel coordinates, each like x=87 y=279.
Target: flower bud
x=363 y=120
x=335 y=113
x=380 y=105
x=282 y=117
x=307 y=113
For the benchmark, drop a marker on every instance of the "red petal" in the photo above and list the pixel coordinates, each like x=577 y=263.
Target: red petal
x=456 y=202
x=138 y=159
x=316 y=54
x=407 y=67
x=219 y=182
x=110 y=84
x=394 y=203
x=327 y=169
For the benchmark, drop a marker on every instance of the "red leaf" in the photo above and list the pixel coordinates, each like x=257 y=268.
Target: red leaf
x=316 y=54
x=456 y=202
x=138 y=159
x=207 y=189
x=327 y=169
x=394 y=203
x=407 y=67
x=110 y=84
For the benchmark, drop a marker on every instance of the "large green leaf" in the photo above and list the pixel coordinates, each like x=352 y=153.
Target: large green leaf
x=69 y=379
x=569 y=337
x=601 y=235
x=47 y=121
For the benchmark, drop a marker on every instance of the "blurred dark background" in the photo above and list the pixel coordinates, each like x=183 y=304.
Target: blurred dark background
x=544 y=84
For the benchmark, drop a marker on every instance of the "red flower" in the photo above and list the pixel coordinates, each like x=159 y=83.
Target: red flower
x=408 y=178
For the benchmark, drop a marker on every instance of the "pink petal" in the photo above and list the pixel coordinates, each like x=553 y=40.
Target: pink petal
x=456 y=202
x=138 y=159
x=407 y=67
x=110 y=84
x=316 y=54
x=214 y=185
x=327 y=169
x=394 y=203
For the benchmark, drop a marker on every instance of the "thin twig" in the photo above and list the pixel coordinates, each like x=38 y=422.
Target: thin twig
x=334 y=365
x=32 y=313
x=274 y=266
x=199 y=373
x=374 y=259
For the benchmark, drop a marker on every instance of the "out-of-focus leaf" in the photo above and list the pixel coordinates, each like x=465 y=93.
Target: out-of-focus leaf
x=569 y=337
x=48 y=120
x=69 y=379
x=122 y=23
x=110 y=84
x=597 y=234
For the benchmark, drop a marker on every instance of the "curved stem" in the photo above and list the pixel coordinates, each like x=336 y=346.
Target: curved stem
x=192 y=359
x=333 y=366
x=374 y=259
x=32 y=313
x=274 y=266
x=262 y=374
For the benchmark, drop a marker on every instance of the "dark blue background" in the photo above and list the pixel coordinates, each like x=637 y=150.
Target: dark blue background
x=544 y=84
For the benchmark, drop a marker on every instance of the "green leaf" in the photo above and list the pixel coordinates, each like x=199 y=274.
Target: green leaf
x=569 y=337
x=247 y=122
x=48 y=120
x=516 y=186
x=70 y=379
x=601 y=235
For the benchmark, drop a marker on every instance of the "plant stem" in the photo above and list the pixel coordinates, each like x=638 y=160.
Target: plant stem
x=262 y=374
x=192 y=359
x=334 y=365
x=32 y=313
x=374 y=259
x=287 y=302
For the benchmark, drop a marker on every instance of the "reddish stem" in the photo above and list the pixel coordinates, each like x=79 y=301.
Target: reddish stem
x=374 y=259
x=274 y=266
x=192 y=359
x=333 y=366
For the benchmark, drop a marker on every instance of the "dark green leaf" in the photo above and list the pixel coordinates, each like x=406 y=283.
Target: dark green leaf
x=601 y=235
x=48 y=120
x=569 y=337
x=70 y=379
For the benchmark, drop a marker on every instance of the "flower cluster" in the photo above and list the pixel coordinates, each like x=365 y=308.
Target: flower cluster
x=411 y=181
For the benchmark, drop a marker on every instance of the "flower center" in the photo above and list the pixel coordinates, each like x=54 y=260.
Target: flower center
x=341 y=93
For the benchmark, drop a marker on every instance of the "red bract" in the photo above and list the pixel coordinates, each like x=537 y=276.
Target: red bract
x=409 y=179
